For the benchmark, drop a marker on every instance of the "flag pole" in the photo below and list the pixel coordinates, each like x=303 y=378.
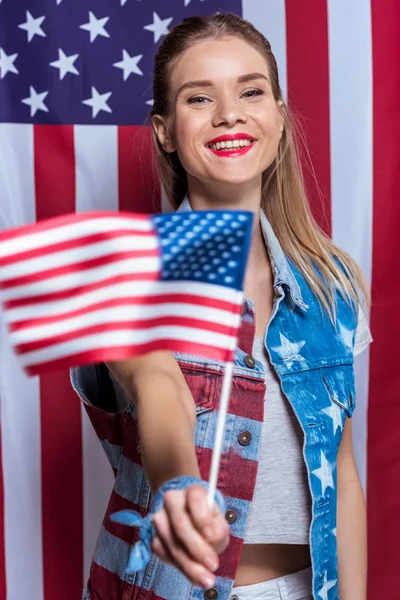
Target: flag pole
x=223 y=409
x=219 y=434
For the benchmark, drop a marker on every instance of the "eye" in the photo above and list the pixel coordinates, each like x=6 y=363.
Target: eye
x=198 y=100
x=253 y=93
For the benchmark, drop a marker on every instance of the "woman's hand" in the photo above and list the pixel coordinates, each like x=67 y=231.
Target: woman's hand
x=190 y=534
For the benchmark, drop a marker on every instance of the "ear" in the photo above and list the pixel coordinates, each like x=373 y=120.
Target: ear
x=162 y=132
x=281 y=109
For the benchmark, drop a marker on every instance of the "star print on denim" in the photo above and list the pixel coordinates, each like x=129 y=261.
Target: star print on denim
x=336 y=414
x=289 y=351
x=346 y=335
x=327 y=585
x=324 y=474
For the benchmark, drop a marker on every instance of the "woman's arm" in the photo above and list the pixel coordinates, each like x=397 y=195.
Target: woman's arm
x=190 y=534
x=166 y=415
x=351 y=523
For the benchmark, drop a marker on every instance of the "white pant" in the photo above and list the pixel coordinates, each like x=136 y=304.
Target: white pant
x=297 y=586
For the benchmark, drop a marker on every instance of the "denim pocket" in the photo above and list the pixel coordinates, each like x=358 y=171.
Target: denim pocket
x=339 y=384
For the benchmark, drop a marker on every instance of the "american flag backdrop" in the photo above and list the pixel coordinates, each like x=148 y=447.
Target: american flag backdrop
x=75 y=91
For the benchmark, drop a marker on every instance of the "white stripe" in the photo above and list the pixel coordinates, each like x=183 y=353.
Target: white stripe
x=133 y=289
x=118 y=315
x=83 y=278
x=71 y=231
x=350 y=50
x=269 y=16
x=73 y=256
x=96 y=189
x=20 y=405
x=128 y=337
x=16 y=192
x=96 y=158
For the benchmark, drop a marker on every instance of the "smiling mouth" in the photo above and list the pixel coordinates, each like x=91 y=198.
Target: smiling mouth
x=230 y=145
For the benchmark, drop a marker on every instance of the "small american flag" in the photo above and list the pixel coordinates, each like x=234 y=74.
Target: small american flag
x=104 y=286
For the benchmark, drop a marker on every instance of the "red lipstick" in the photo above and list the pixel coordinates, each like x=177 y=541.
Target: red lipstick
x=231 y=152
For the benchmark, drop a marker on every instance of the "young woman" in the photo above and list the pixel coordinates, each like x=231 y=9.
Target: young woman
x=294 y=526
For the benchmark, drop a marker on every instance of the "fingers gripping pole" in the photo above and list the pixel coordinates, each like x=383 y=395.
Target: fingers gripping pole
x=219 y=435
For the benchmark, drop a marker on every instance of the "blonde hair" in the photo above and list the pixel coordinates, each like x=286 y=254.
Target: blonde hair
x=325 y=267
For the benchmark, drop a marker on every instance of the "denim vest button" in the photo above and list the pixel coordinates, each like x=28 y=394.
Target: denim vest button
x=234 y=597
x=249 y=361
x=211 y=594
x=231 y=516
x=244 y=438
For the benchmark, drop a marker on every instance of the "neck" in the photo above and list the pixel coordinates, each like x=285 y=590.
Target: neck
x=210 y=196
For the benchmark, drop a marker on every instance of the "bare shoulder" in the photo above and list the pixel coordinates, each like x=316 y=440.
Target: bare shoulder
x=149 y=366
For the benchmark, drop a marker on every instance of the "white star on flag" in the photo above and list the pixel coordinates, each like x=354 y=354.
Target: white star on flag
x=327 y=585
x=159 y=27
x=33 y=26
x=346 y=335
x=65 y=64
x=98 y=102
x=150 y=102
x=36 y=101
x=123 y=2
x=324 y=474
x=187 y=2
x=59 y=1
x=96 y=27
x=289 y=350
x=336 y=414
x=7 y=63
x=129 y=64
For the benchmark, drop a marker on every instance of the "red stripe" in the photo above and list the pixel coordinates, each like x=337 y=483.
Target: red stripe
x=84 y=265
x=107 y=326
x=237 y=475
x=384 y=408
x=61 y=443
x=71 y=293
x=139 y=187
x=3 y=583
x=81 y=242
x=308 y=91
x=123 y=352
x=54 y=221
x=112 y=303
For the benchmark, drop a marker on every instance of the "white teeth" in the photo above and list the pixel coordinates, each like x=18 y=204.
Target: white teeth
x=229 y=144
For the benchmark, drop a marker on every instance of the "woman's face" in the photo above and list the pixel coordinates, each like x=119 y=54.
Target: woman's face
x=226 y=124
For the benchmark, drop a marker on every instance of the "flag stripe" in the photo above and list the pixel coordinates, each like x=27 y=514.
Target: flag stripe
x=384 y=408
x=123 y=342
x=308 y=94
x=134 y=309
x=116 y=353
x=20 y=405
x=269 y=16
x=61 y=445
x=139 y=184
x=97 y=475
x=3 y=582
x=351 y=163
x=54 y=335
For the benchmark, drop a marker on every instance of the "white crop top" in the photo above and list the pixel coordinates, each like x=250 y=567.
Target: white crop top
x=280 y=512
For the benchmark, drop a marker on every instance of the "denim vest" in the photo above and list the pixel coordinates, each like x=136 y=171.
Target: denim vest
x=314 y=363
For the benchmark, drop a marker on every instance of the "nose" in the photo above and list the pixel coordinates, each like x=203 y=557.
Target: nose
x=229 y=112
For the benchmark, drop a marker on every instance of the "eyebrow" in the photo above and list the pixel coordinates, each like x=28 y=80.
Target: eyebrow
x=208 y=83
